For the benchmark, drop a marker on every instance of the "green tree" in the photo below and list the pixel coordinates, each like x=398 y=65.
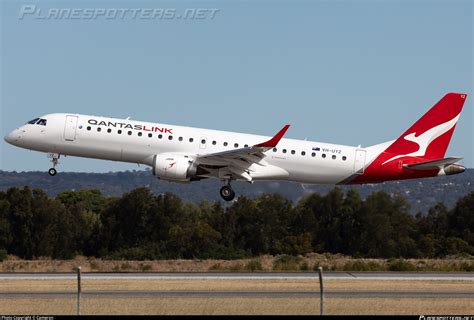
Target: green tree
x=6 y=236
x=351 y=223
x=461 y=220
x=377 y=230
x=90 y=199
x=454 y=245
x=432 y=231
x=305 y=220
x=20 y=216
x=44 y=226
x=247 y=226
x=125 y=220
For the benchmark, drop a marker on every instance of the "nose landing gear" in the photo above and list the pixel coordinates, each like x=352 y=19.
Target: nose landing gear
x=54 y=160
x=227 y=193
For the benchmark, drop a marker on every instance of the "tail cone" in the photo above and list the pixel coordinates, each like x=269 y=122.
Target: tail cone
x=451 y=169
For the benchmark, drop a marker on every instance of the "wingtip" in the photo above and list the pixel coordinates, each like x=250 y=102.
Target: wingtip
x=274 y=141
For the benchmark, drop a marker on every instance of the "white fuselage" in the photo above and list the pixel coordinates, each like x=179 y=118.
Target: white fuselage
x=138 y=142
x=185 y=154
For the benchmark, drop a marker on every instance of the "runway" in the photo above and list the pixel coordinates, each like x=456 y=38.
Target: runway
x=408 y=276
x=242 y=294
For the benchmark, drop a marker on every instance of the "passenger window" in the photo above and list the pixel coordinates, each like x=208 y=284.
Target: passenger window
x=303 y=153
x=203 y=141
x=191 y=139
x=225 y=144
x=313 y=154
x=99 y=129
x=293 y=151
x=214 y=143
x=150 y=135
x=88 y=128
x=324 y=155
x=42 y=122
x=236 y=145
x=119 y=131
x=140 y=134
x=130 y=133
x=284 y=150
x=170 y=137
x=160 y=136
x=344 y=158
x=334 y=157
x=275 y=149
x=246 y=146
x=180 y=139
x=109 y=130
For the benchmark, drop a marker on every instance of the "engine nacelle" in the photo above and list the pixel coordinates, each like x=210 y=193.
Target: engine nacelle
x=173 y=167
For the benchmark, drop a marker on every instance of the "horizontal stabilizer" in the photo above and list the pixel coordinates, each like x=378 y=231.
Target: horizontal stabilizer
x=432 y=165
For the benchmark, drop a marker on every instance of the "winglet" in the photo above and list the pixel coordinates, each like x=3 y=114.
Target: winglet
x=274 y=141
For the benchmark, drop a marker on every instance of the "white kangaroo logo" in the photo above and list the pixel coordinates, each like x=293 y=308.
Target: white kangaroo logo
x=425 y=139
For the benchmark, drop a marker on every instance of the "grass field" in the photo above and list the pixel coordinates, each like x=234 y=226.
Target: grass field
x=233 y=305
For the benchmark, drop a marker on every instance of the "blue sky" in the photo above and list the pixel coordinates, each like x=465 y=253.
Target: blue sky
x=347 y=72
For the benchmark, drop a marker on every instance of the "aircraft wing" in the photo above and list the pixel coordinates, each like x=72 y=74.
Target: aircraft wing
x=238 y=161
x=432 y=165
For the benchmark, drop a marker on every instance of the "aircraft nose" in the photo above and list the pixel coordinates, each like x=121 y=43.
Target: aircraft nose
x=9 y=138
x=13 y=137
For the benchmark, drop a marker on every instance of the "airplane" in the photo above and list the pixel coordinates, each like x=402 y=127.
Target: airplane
x=185 y=154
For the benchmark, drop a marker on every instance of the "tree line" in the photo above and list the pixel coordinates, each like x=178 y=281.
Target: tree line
x=140 y=225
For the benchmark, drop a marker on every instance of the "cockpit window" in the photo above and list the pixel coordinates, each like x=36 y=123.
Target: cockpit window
x=33 y=121
x=38 y=121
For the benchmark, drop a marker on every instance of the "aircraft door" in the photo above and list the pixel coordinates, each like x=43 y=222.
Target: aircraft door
x=359 y=162
x=70 y=128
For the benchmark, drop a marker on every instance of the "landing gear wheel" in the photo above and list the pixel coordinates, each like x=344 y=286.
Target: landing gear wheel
x=54 y=160
x=227 y=193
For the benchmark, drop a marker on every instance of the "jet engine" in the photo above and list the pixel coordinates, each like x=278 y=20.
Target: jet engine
x=176 y=168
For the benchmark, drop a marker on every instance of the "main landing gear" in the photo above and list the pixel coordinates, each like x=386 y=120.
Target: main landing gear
x=54 y=160
x=227 y=193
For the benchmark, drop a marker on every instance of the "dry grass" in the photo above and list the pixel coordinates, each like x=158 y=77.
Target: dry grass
x=407 y=306
x=232 y=285
x=401 y=285
x=233 y=306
